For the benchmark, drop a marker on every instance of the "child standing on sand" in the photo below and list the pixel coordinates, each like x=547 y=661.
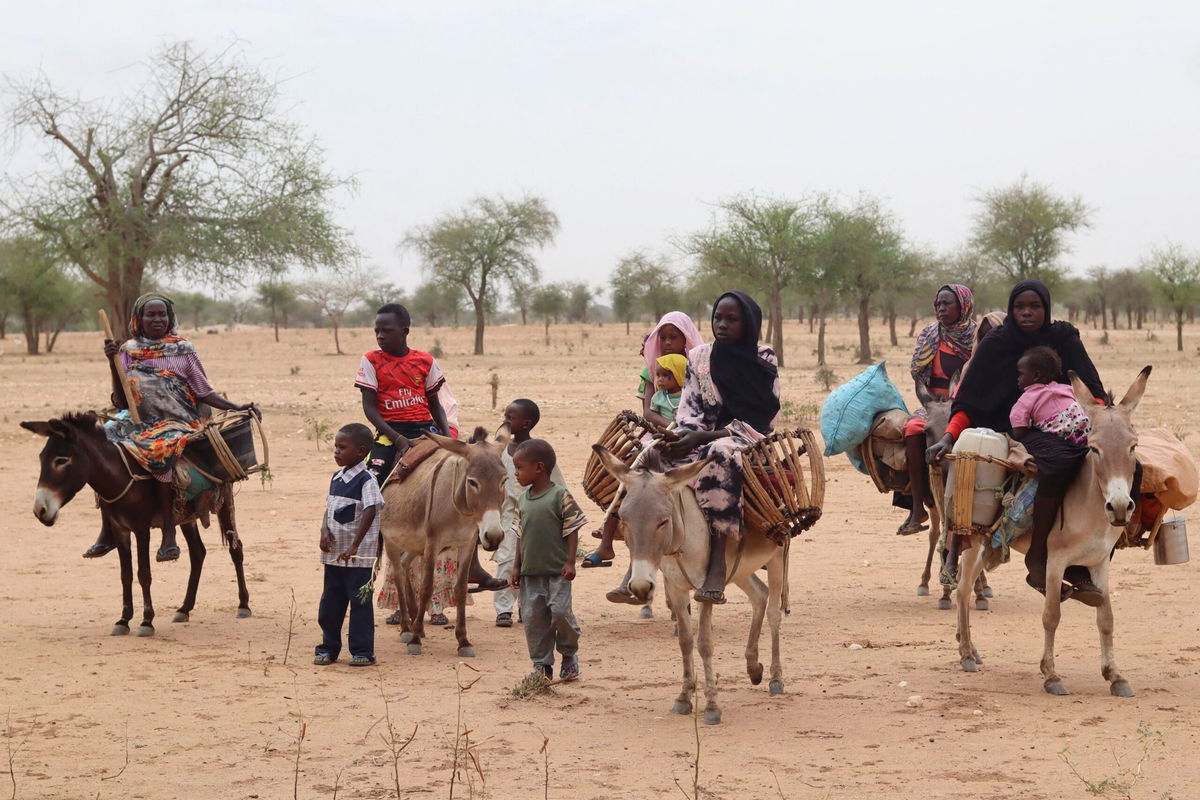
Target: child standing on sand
x=549 y=524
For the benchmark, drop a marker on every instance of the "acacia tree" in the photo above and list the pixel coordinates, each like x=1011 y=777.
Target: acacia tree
x=38 y=290
x=437 y=302
x=1021 y=229
x=1176 y=274
x=579 y=299
x=767 y=242
x=277 y=294
x=643 y=282
x=196 y=173
x=549 y=301
x=488 y=243
x=335 y=292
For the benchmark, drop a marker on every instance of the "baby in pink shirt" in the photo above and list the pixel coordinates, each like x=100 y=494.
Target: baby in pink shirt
x=1046 y=405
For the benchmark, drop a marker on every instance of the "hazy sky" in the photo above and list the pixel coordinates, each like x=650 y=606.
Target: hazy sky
x=632 y=118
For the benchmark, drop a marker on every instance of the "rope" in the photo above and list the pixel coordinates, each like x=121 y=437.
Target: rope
x=132 y=478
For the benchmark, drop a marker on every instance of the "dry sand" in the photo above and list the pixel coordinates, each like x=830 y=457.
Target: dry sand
x=211 y=709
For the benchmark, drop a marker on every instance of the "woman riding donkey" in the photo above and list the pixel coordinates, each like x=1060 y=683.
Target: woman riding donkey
x=987 y=395
x=168 y=383
x=730 y=400
x=943 y=349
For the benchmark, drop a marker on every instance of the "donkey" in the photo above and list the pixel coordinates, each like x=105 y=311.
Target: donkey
x=666 y=530
x=937 y=418
x=1095 y=510
x=78 y=454
x=451 y=497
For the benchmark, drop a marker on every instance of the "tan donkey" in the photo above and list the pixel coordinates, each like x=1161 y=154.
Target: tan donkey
x=665 y=530
x=1095 y=510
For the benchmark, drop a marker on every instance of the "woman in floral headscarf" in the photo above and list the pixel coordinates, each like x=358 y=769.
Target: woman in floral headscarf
x=943 y=349
x=168 y=383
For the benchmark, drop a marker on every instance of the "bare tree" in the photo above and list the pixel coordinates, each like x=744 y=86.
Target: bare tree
x=335 y=292
x=198 y=173
x=487 y=244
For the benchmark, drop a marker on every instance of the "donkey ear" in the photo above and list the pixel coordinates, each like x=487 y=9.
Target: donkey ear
x=1134 y=396
x=446 y=443
x=503 y=434
x=685 y=474
x=954 y=379
x=1083 y=395
x=612 y=465
x=924 y=397
x=40 y=428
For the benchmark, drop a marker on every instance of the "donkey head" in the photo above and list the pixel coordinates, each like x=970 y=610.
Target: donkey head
x=1111 y=445
x=648 y=520
x=65 y=462
x=937 y=412
x=482 y=489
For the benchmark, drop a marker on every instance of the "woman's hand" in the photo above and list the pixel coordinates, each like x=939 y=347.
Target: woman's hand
x=111 y=348
x=252 y=408
x=680 y=445
x=938 y=449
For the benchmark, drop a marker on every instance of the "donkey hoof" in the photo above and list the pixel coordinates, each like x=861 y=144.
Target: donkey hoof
x=776 y=686
x=681 y=708
x=969 y=665
x=1056 y=687
x=922 y=591
x=180 y=616
x=675 y=631
x=944 y=604
x=466 y=652
x=1121 y=688
x=243 y=612
x=414 y=649
x=646 y=613
x=712 y=716
x=981 y=604
x=120 y=629
x=145 y=629
x=755 y=672
x=987 y=592
x=405 y=637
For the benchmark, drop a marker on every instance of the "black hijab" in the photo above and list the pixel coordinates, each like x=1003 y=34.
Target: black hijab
x=746 y=382
x=989 y=389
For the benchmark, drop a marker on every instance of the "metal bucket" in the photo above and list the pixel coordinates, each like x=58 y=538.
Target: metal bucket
x=1170 y=546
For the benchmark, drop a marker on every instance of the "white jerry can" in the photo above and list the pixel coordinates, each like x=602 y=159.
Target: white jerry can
x=989 y=476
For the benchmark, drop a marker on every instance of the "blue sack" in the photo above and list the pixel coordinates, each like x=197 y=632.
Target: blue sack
x=850 y=409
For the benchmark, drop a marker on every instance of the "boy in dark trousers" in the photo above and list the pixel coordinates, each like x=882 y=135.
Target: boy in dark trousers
x=399 y=388
x=548 y=526
x=351 y=524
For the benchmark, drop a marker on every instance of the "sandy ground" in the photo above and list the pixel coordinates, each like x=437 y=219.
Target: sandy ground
x=213 y=708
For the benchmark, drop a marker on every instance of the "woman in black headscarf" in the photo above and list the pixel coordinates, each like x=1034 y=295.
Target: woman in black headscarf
x=987 y=394
x=730 y=400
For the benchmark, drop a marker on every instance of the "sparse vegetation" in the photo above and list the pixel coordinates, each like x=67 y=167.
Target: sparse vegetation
x=826 y=377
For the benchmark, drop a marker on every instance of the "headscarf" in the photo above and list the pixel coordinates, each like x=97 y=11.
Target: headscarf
x=994 y=319
x=676 y=364
x=959 y=338
x=746 y=382
x=140 y=348
x=989 y=388
x=691 y=337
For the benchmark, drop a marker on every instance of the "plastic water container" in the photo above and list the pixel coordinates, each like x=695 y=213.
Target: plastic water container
x=989 y=477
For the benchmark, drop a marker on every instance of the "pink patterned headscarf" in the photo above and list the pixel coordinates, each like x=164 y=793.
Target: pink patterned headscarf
x=691 y=337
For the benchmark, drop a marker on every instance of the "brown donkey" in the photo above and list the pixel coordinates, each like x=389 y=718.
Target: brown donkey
x=450 y=498
x=78 y=454
x=1095 y=510
x=665 y=530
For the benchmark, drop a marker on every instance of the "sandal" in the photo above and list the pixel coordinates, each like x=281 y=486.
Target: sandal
x=622 y=595
x=489 y=584
x=570 y=670
x=1039 y=586
x=504 y=619
x=593 y=559
x=909 y=528
x=167 y=553
x=438 y=619
x=99 y=549
x=714 y=597
x=1087 y=593
x=323 y=659
x=362 y=661
x=394 y=618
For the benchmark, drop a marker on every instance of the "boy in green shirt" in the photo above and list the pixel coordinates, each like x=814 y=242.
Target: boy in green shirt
x=548 y=524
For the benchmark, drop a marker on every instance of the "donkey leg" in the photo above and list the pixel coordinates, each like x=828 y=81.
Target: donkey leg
x=712 y=712
x=418 y=632
x=1117 y=684
x=934 y=534
x=121 y=627
x=757 y=592
x=236 y=551
x=1051 y=614
x=144 y=579
x=775 y=580
x=677 y=595
x=465 y=553
x=972 y=565
x=981 y=593
x=406 y=597
x=196 y=553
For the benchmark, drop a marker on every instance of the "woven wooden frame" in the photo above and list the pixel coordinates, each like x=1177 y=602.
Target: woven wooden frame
x=958 y=519
x=776 y=499
x=622 y=438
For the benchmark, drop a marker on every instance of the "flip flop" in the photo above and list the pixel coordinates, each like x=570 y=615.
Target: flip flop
x=97 y=550
x=362 y=661
x=1087 y=593
x=323 y=659
x=592 y=560
x=716 y=598
x=569 y=671
x=909 y=528
x=167 y=554
x=618 y=596
x=1064 y=593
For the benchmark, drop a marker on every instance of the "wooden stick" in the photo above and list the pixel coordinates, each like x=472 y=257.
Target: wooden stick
x=125 y=387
